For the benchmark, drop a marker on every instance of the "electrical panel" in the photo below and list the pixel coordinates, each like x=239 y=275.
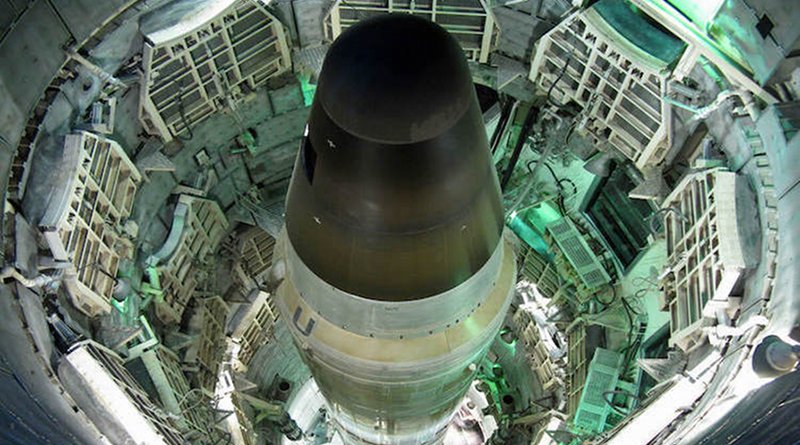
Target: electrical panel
x=576 y=250
x=601 y=378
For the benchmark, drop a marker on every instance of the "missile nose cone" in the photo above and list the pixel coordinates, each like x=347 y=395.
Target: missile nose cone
x=393 y=195
x=395 y=79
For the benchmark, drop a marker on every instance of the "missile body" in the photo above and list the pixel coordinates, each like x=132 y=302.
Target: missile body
x=397 y=277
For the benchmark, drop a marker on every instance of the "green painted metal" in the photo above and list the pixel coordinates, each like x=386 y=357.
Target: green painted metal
x=153 y=288
x=602 y=377
x=307 y=88
x=527 y=234
x=701 y=12
x=634 y=26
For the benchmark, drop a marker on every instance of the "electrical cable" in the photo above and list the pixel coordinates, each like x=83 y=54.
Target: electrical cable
x=98 y=267
x=184 y=120
x=610 y=302
x=570 y=132
x=572 y=183
x=664 y=211
x=358 y=12
x=560 y=199
x=558 y=181
x=530 y=118
x=558 y=78
x=642 y=280
x=620 y=392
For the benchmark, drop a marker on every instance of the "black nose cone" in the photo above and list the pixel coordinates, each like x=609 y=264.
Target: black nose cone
x=393 y=195
x=396 y=79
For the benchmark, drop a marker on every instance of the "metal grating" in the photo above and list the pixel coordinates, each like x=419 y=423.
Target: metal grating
x=602 y=376
x=467 y=20
x=255 y=253
x=164 y=369
x=207 y=326
x=83 y=220
x=577 y=362
x=704 y=253
x=202 y=232
x=254 y=329
x=619 y=85
x=537 y=270
x=536 y=352
x=190 y=74
x=93 y=370
x=577 y=251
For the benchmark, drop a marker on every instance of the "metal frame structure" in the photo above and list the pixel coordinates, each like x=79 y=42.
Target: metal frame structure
x=207 y=326
x=535 y=269
x=577 y=365
x=190 y=74
x=237 y=423
x=254 y=329
x=470 y=21
x=119 y=406
x=705 y=255
x=83 y=219
x=602 y=376
x=619 y=85
x=573 y=254
x=536 y=351
x=164 y=368
x=255 y=253
x=205 y=225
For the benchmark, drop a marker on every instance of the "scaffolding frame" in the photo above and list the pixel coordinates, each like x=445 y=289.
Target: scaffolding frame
x=191 y=74
x=83 y=220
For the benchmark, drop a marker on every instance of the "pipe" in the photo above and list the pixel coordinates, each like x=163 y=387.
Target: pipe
x=530 y=118
x=508 y=108
x=526 y=191
x=96 y=70
x=701 y=113
x=39 y=281
x=175 y=234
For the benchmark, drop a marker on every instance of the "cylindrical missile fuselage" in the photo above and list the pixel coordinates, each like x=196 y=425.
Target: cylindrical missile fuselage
x=397 y=276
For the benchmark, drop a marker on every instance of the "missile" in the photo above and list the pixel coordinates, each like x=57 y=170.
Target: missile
x=396 y=274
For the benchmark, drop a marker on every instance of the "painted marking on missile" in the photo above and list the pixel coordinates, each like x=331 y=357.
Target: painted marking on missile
x=331 y=144
x=309 y=326
x=317 y=220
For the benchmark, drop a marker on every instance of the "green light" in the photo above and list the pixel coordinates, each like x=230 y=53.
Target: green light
x=539 y=217
x=631 y=24
x=529 y=224
x=701 y=12
x=121 y=306
x=307 y=88
x=526 y=233
x=473 y=327
x=717 y=19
